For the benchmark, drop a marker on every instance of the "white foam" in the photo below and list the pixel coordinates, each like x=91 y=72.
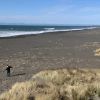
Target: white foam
x=18 y=33
x=49 y=28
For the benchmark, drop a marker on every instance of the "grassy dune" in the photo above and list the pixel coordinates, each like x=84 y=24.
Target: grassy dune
x=62 y=84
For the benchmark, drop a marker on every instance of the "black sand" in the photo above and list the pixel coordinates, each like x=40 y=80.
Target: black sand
x=31 y=54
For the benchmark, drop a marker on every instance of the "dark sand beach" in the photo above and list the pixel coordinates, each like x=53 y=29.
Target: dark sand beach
x=31 y=54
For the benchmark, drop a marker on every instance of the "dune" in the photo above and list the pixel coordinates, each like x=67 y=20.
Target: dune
x=61 y=84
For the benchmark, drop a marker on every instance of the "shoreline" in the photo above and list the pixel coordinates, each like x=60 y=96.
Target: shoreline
x=53 y=31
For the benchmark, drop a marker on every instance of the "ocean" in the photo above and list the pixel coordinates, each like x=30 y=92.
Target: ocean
x=18 y=30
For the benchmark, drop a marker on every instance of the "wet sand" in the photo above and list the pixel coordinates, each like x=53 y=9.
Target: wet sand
x=31 y=54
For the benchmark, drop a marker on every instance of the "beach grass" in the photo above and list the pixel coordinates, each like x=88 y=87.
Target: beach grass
x=97 y=52
x=61 y=84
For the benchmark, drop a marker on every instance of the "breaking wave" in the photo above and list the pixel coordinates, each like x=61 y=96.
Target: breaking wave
x=13 y=33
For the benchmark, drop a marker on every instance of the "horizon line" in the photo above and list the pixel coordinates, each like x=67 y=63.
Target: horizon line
x=50 y=24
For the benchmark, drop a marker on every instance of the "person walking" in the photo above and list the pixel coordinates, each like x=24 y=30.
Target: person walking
x=8 y=70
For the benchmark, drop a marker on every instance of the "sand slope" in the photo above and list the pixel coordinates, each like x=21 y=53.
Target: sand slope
x=62 y=84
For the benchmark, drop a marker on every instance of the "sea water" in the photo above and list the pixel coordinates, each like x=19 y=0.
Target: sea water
x=18 y=30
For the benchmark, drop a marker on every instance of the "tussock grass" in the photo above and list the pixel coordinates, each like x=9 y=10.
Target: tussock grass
x=62 y=84
x=97 y=52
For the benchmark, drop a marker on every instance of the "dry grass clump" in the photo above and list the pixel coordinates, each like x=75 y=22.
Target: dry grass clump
x=63 y=84
x=32 y=90
x=97 y=52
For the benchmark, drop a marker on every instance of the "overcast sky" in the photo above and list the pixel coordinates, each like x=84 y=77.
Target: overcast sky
x=50 y=11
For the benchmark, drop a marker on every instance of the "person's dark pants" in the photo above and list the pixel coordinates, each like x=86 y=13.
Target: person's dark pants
x=8 y=74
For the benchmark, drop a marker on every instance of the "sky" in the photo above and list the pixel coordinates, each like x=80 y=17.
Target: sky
x=67 y=12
